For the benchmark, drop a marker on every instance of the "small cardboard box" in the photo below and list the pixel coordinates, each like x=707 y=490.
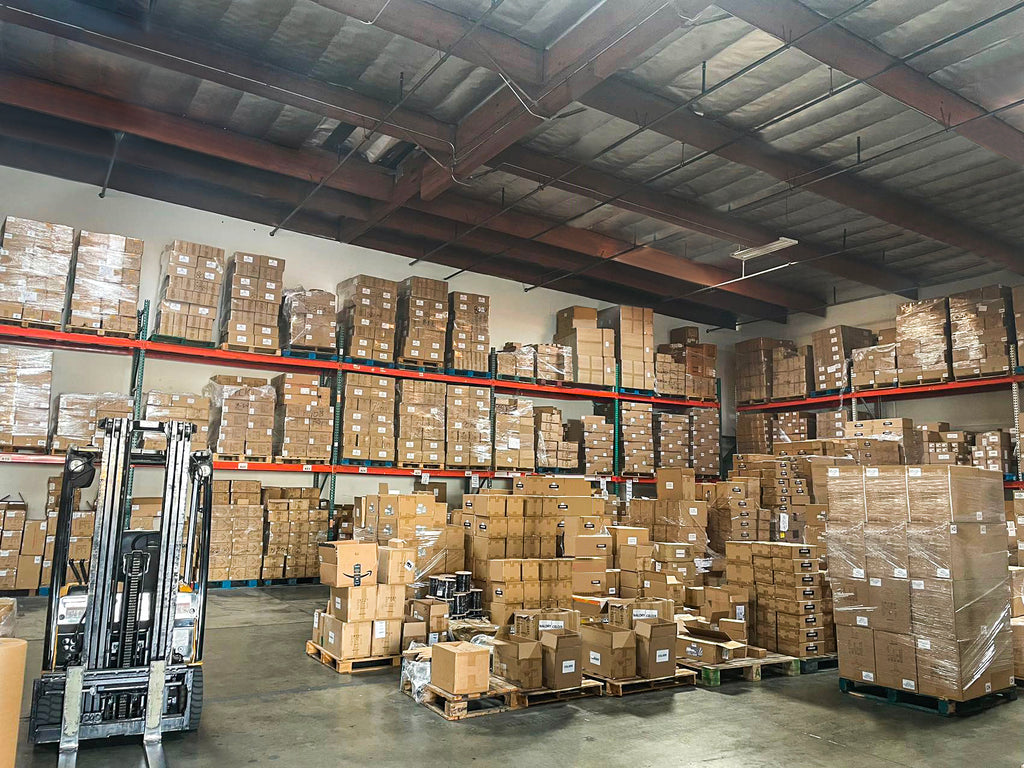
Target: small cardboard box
x=353 y=603
x=348 y=563
x=387 y=637
x=413 y=631
x=460 y=667
x=396 y=563
x=562 y=651
x=609 y=651
x=519 y=660
x=701 y=643
x=346 y=640
x=655 y=647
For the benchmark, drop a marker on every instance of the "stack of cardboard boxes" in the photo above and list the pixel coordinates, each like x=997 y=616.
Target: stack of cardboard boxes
x=883 y=441
x=241 y=417
x=294 y=526
x=980 y=335
x=513 y=433
x=175 y=406
x=82 y=524
x=596 y=438
x=947 y=446
x=515 y=360
x=922 y=341
x=79 y=415
x=920 y=581
x=421 y=423
x=515 y=584
x=754 y=359
x=303 y=418
x=875 y=367
x=994 y=450
x=686 y=367
x=833 y=349
x=364 y=615
x=191 y=275
x=753 y=432
x=422 y=321
x=553 y=362
x=368 y=317
x=236 y=537
x=25 y=377
x=468 y=425
x=37 y=261
x=592 y=348
x=469 y=332
x=829 y=425
x=105 y=294
x=735 y=512
x=670 y=370
x=368 y=417
x=145 y=513
x=673 y=440
x=706 y=448
x=309 y=320
x=791 y=426
x=636 y=446
x=634 y=344
x=252 y=301
x=554 y=450
x=792 y=373
x=22 y=546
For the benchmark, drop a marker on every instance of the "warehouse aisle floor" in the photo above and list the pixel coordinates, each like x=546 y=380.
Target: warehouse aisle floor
x=268 y=704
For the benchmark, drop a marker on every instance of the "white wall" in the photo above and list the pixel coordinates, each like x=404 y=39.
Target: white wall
x=311 y=262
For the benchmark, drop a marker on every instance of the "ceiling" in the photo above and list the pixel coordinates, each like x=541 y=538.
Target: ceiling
x=616 y=149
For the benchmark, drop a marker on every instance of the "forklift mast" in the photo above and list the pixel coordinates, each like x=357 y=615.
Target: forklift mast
x=123 y=642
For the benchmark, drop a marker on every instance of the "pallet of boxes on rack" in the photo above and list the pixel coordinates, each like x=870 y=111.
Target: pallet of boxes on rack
x=754 y=359
x=592 y=348
x=513 y=434
x=515 y=361
x=236 y=535
x=792 y=373
x=303 y=419
x=634 y=345
x=596 y=440
x=833 y=350
x=636 y=436
x=368 y=318
x=922 y=342
x=876 y=367
x=309 y=323
x=554 y=450
x=468 y=443
x=191 y=276
x=921 y=585
x=422 y=322
x=685 y=367
x=295 y=524
x=368 y=419
x=37 y=264
x=469 y=335
x=25 y=378
x=176 y=406
x=105 y=289
x=251 y=302
x=241 y=417
x=421 y=424
x=706 y=434
x=980 y=332
x=79 y=416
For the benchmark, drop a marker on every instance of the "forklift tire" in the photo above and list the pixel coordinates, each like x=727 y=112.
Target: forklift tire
x=195 y=706
x=47 y=709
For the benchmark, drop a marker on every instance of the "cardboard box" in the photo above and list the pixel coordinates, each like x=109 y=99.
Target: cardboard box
x=895 y=661
x=396 y=563
x=353 y=603
x=519 y=660
x=856 y=648
x=609 y=651
x=460 y=667
x=698 y=642
x=348 y=563
x=387 y=637
x=655 y=647
x=346 y=640
x=562 y=658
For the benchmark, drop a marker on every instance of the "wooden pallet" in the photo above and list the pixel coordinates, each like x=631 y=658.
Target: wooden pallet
x=746 y=669
x=241 y=458
x=612 y=687
x=30 y=324
x=462 y=706
x=935 y=704
x=814 y=664
x=523 y=699
x=876 y=386
x=28 y=449
x=229 y=347
x=976 y=376
x=102 y=332
x=351 y=666
x=927 y=381
x=296 y=460
x=424 y=365
x=310 y=353
x=413 y=465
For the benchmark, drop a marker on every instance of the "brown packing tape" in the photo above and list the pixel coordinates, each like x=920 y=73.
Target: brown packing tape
x=12 y=675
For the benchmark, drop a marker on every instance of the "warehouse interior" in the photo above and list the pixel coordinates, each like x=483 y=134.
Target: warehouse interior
x=757 y=262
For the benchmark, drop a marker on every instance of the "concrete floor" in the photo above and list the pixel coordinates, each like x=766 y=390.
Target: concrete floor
x=268 y=704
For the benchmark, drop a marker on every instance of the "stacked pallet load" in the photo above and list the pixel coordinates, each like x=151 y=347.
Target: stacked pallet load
x=422 y=322
x=592 y=348
x=469 y=332
x=670 y=370
x=673 y=440
x=792 y=373
x=793 y=426
x=706 y=434
x=421 y=424
x=25 y=378
x=596 y=440
x=634 y=344
x=176 y=406
x=22 y=544
x=513 y=433
x=79 y=416
x=105 y=293
x=833 y=350
x=468 y=424
x=191 y=275
x=303 y=419
x=701 y=362
x=940 y=444
x=513 y=585
x=754 y=359
x=251 y=303
x=368 y=418
x=37 y=262
x=927 y=612
x=980 y=332
x=553 y=362
x=236 y=536
x=309 y=320
x=922 y=341
x=368 y=317
x=753 y=432
x=829 y=425
x=294 y=527
x=994 y=450
x=241 y=417
x=883 y=441
x=515 y=361
x=554 y=450
x=874 y=367
x=734 y=511
x=636 y=437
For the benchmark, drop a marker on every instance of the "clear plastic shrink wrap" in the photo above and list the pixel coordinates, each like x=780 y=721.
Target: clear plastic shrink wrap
x=25 y=377
x=309 y=319
x=78 y=417
x=105 y=294
x=468 y=427
x=241 y=416
x=35 y=260
x=922 y=341
x=421 y=423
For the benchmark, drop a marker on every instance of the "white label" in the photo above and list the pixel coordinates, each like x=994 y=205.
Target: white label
x=545 y=624
x=330 y=638
x=380 y=629
x=917 y=583
x=631 y=539
x=899 y=573
x=645 y=613
x=858 y=573
x=660 y=656
x=871 y=471
x=952 y=529
x=669 y=485
x=595 y=658
x=924 y=644
x=741 y=612
x=914 y=471
x=983 y=529
x=783 y=521
x=569 y=666
x=909 y=685
x=862 y=621
x=875 y=582
x=409 y=565
x=433 y=638
x=942 y=573
x=316 y=620
x=869 y=676
x=694 y=512
x=833 y=471
x=681 y=554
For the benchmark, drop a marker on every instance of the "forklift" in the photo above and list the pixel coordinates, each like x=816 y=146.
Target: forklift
x=123 y=647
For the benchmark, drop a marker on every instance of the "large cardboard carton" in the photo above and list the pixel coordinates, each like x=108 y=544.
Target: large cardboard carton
x=460 y=667
x=856 y=647
x=895 y=661
x=390 y=603
x=348 y=563
x=387 y=637
x=655 y=647
x=396 y=563
x=698 y=642
x=346 y=640
x=609 y=651
x=519 y=660
x=562 y=651
x=353 y=603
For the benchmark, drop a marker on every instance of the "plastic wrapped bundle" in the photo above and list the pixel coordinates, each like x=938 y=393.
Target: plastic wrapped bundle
x=548 y=434
x=25 y=376
x=191 y=275
x=554 y=362
x=251 y=302
x=874 y=367
x=513 y=433
x=922 y=338
x=754 y=368
x=516 y=360
x=78 y=417
x=753 y=432
x=979 y=332
x=36 y=260
x=468 y=426
x=177 y=406
x=368 y=317
x=310 y=319
x=241 y=417
x=105 y=295
x=303 y=418
x=792 y=375
x=421 y=423
x=422 y=321
x=469 y=334
x=368 y=418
